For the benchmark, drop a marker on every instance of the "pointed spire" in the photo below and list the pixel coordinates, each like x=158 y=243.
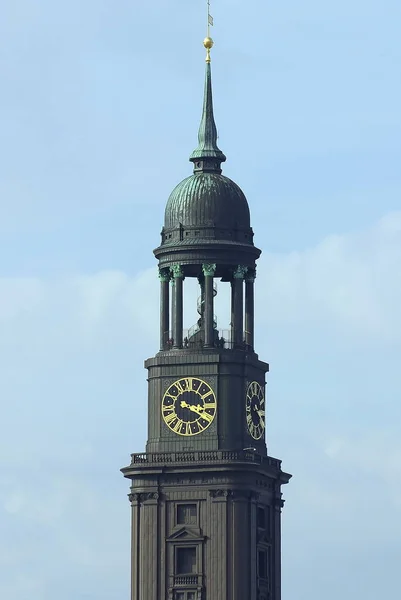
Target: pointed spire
x=207 y=157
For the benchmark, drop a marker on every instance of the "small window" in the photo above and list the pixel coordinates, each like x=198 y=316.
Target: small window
x=187 y=514
x=261 y=518
x=184 y=596
x=196 y=232
x=262 y=564
x=186 y=561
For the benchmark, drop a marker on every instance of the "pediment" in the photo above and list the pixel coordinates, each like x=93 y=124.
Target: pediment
x=184 y=534
x=263 y=538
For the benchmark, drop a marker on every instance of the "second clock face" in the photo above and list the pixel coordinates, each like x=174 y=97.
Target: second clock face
x=189 y=406
x=255 y=410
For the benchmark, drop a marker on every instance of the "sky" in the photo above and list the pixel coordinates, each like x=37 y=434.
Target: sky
x=99 y=110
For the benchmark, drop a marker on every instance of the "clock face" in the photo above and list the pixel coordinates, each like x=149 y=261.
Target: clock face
x=189 y=406
x=255 y=410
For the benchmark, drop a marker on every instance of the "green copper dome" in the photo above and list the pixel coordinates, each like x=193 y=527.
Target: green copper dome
x=207 y=200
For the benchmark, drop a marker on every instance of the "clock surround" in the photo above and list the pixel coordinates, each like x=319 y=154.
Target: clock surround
x=189 y=406
x=255 y=410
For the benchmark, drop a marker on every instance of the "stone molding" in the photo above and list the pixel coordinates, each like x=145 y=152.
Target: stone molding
x=234 y=494
x=143 y=497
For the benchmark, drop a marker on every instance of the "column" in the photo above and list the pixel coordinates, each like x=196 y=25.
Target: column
x=208 y=272
x=178 y=276
x=250 y=309
x=172 y=281
x=164 y=276
x=201 y=302
x=238 y=308
x=232 y=312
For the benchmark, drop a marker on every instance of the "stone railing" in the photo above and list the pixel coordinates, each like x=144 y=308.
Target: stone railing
x=186 y=580
x=204 y=456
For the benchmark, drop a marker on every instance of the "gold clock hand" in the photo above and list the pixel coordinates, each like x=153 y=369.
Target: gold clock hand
x=196 y=409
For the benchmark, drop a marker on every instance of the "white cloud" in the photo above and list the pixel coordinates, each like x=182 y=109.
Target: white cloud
x=348 y=282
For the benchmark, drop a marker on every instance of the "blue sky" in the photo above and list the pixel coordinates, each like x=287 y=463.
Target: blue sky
x=99 y=111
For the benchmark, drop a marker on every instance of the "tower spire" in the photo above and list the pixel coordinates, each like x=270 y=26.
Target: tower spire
x=207 y=157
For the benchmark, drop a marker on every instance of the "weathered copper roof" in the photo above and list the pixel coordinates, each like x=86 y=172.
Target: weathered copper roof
x=207 y=135
x=207 y=200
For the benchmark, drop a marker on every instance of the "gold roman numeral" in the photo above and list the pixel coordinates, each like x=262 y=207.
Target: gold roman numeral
x=210 y=406
x=209 y=418
x=179 y=387
x=169 y=417
x=177 y=426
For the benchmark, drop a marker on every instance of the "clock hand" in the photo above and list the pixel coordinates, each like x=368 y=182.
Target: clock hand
x=260 y=412
x=196 y=409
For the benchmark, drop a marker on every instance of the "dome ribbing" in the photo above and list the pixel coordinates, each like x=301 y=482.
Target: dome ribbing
x=207 y=200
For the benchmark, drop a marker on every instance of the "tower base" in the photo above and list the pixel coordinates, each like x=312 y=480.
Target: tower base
x=206 y=525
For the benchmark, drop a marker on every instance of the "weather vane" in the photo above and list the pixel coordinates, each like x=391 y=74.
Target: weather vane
x=208 y=42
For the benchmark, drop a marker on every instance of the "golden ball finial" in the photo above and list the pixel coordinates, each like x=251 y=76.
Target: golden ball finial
x=208 y=43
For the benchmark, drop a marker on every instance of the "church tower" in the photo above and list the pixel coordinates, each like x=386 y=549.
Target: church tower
x=206 y=496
